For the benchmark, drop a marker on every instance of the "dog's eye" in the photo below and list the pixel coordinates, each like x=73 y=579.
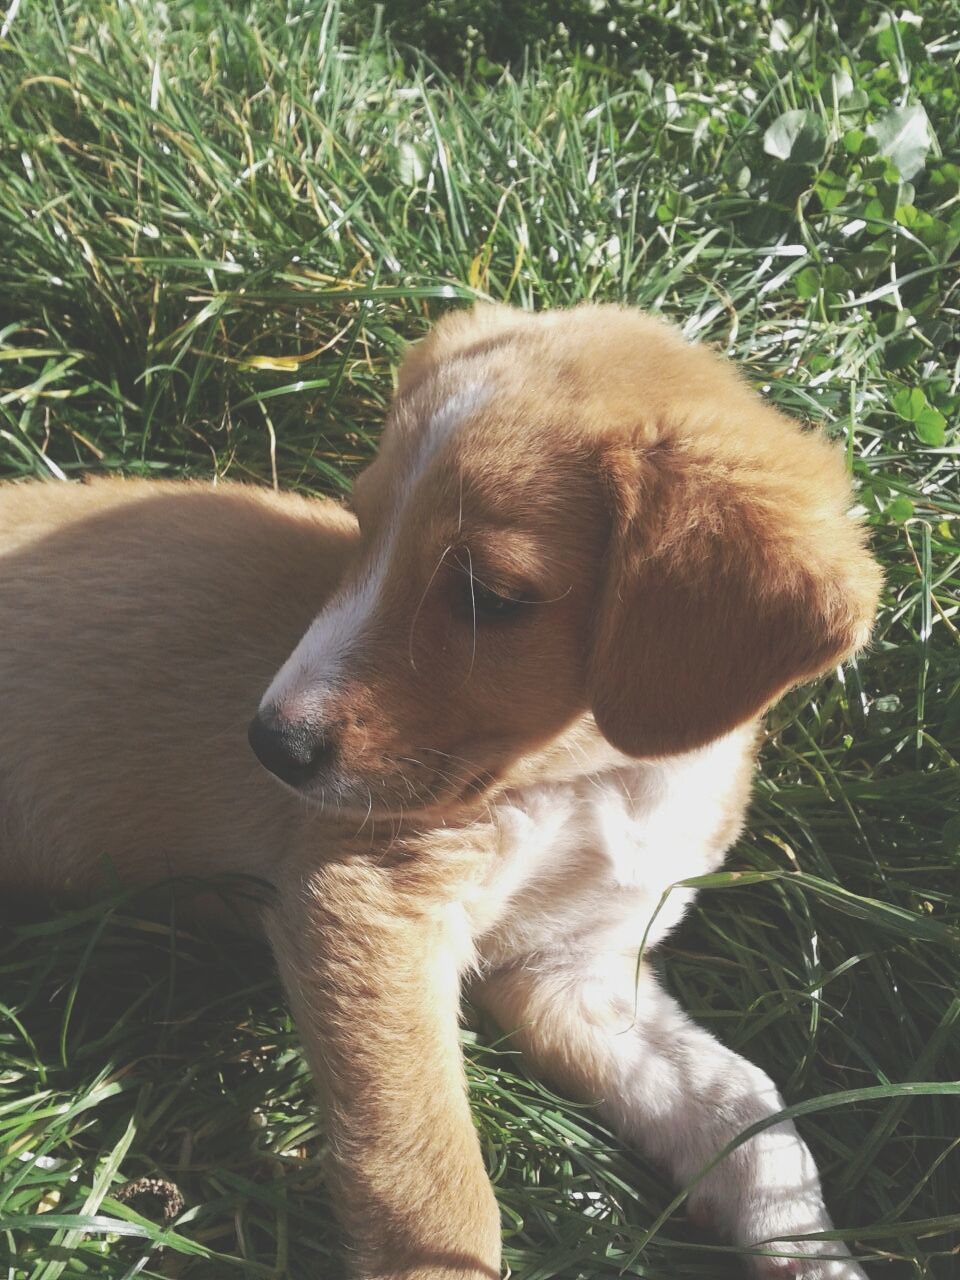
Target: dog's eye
x=473 y=601
x=488 y=605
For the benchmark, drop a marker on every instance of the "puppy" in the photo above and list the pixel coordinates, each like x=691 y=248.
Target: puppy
x=508 y=712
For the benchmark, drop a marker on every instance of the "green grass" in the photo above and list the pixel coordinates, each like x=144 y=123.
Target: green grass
x=218 y=226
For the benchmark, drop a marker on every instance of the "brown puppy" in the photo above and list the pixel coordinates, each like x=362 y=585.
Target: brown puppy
x=589 y=558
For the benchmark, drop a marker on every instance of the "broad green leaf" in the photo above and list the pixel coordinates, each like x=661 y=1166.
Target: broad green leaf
x=841 y=84
x=854 y=102
x=411 y=164
x=931 y=427
x=853 y=141
x=799 y=137
x=904 y=136
x=946 y=174
x=899 y=42
x=831 y=189
x=902 y=350
x=931 y=231
x=781 y=33
x=807 y=282
x=740 y=178
x=909 y=403
x=835 y=278
x=900 y=509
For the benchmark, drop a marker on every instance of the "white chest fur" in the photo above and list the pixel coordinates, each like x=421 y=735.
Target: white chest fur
x=584 y=865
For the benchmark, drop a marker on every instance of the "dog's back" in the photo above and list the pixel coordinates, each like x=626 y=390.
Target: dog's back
x=140 y=623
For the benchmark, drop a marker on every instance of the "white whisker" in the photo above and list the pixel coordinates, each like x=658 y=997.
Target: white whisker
x=416 y=612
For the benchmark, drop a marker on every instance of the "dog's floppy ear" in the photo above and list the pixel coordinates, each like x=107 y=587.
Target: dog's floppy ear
x=733 y=573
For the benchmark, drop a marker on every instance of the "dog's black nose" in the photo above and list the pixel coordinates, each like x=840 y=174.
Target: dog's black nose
x=294 y=752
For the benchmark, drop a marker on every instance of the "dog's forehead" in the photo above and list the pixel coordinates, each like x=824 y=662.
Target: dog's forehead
x=469 y=441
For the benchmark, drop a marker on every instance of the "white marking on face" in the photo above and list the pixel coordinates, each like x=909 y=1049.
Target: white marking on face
x=301 y=686
x=446 y=421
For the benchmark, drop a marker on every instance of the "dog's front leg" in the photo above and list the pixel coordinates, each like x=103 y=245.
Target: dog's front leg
x=372 y=974
x=670 y=1087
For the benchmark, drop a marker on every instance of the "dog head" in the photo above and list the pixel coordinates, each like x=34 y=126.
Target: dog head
x=580 y=534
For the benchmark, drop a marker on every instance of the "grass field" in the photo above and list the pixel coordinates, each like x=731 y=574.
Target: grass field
x=218 y=226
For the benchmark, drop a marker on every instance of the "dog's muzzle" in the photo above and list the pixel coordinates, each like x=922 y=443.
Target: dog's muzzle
x=293 y=751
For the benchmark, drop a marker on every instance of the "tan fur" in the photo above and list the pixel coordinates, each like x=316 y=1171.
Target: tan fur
x=689 y=557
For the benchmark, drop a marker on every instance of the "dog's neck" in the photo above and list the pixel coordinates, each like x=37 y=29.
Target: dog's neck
x=599 y=835
x=604 y=848
x=581 y=751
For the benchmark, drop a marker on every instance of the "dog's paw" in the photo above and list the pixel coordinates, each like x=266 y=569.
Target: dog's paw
x=767 y=1199
x=823 y=1260
x=760 y=1221
x=802 y=1259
